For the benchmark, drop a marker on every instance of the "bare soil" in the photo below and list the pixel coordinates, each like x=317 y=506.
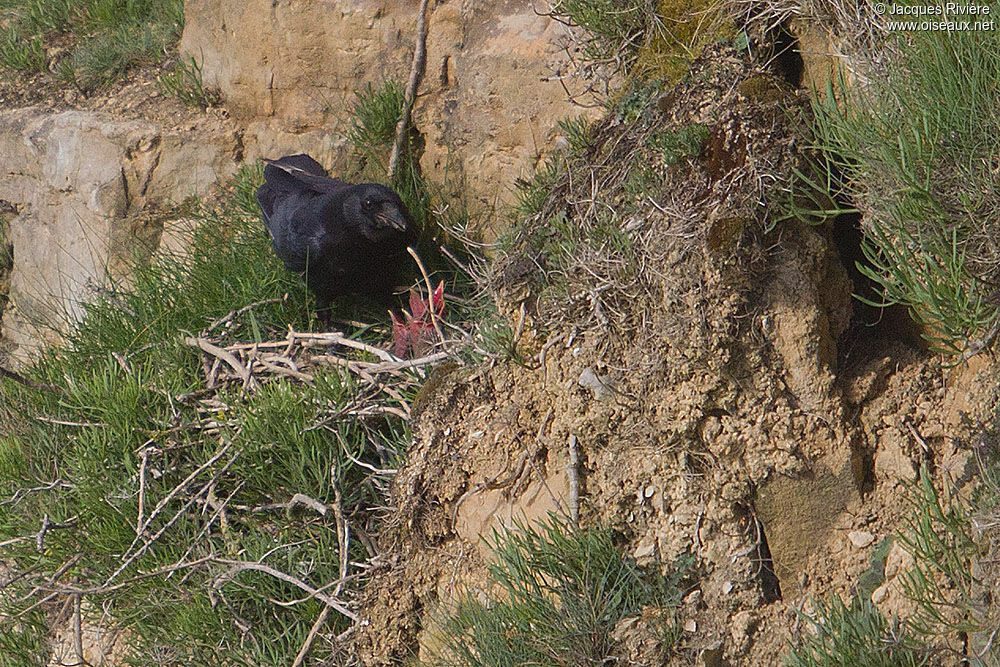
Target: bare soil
x=136 y=96
x=756 y=417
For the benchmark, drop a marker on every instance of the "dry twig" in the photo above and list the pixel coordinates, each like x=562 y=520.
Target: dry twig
x=573 y=472
x=311 y=637
x=242 y=565
x=416 y=73
x=28 y=382
x=222 y=354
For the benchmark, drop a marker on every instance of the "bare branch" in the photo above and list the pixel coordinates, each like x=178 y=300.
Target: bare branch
x=242 y=565
x=28 y=382
x=416 y=73
x=222 y=354
x=307 y=644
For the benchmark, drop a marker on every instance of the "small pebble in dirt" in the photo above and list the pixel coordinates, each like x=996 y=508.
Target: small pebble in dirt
x=644 y=549
x=860 y=538
x=596 y=383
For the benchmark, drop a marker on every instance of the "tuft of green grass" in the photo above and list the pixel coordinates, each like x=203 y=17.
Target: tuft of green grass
x=684 y=142
x=24 y=55
x=618 y=29
x=578 y=131
x=45 y=16
x=106 y=37
x=951 y=546
x=531 y=194
x=854 y=634
x=376 y=112
x=556 y=595
x=914 y=149
x=186 y=84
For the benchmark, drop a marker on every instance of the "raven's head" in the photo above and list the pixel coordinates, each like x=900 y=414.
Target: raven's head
x=378 y=212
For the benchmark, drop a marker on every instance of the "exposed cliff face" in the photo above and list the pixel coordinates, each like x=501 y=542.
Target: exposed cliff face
x=488 y=104
x=735 y=410
x=77 y=184
x=749 y=438
x=288 y=73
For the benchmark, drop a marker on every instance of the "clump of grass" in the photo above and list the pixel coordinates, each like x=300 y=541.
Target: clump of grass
x=376 y=112
x=44 y=16
x=532 y=193
x=158 y=487
x=559 y=593
x=23 y=55
x=914 y=148
x=186 y=84
x=953 y=544
x=854 y=634
x=107 y=37
x=684 y=142
x=618 y=28
x=578 y=131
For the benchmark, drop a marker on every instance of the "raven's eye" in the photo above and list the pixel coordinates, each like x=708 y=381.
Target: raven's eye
x=368 y=203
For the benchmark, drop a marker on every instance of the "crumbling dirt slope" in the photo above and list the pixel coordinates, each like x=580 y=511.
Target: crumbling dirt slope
x=730 y=403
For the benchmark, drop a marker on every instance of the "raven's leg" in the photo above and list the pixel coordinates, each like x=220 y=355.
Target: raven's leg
x=323 y=312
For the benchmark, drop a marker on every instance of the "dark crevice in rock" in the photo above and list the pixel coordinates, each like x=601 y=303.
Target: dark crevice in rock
x=787 y=60
x=8 y=211
x=868 y=323
x=769 y=584
x=864 y=463
x=125 y=191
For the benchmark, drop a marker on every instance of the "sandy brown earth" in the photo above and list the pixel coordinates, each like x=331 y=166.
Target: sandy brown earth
x=740 y=407
x=135 y=96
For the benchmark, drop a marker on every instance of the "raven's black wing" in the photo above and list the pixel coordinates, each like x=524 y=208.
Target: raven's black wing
x=296 y=173
x=301 y=162
x=295 y=194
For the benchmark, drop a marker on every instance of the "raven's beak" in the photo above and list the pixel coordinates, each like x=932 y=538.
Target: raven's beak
x=390 y=216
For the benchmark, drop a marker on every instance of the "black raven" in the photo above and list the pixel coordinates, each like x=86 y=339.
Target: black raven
x=343 y=238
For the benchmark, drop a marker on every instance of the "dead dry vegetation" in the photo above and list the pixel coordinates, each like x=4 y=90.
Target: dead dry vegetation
x=696 y=377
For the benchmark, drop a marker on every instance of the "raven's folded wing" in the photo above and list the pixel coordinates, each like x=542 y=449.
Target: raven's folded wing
x=295 y=173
